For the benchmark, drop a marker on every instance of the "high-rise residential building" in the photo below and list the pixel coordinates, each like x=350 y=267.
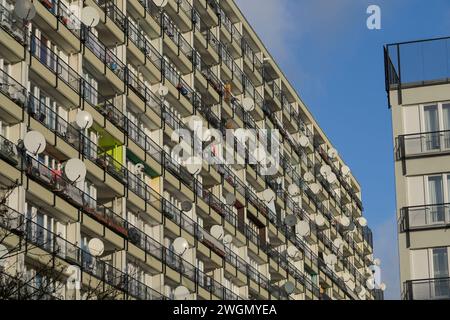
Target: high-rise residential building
x=131 y=218
x=418 y=87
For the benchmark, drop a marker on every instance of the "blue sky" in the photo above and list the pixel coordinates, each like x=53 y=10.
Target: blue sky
x=336 y=65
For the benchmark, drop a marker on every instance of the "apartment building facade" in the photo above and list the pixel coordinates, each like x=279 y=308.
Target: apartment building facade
x=141 y=73
x=417 y=83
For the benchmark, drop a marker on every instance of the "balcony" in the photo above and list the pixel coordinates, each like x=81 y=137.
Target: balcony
x=422 y=144
x=417 y=63
x=181 y=12
x=113 y=26
x=427 y=289
x=149 y=14
x=425 y=217
x=12 y=37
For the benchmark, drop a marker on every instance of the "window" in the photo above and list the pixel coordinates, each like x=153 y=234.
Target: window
x=436 y=126
x=440 y=272
x=436 y=197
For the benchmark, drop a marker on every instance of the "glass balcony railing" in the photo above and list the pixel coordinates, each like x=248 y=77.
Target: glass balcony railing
x=113 y=12
x=426 y=216
x=9 y=24
x=173 y=33
x=427 y=289
x=64 y=15
x=419 y=144
x=137 y=36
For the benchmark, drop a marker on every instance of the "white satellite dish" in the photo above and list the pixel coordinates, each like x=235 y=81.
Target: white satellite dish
x=230 y=199
x=304 y=141
x=325 y=170
x=75 y=170
x=84 y=120
x=96 y=247
x=3 y=254
x=268 y=195
x=217 y=232
x=90 y=17
x=292 y=252
x=338 y=243
x=370 y=283
x=163 y=91
x=315 y=188
x=186 y=206
x=377 y=262
x=330 y=259
x=293 y=190
x=331 y=178
x=24 y=9
x=180 y=245
x=362 y=221
x=320 y=220
x=248 y=104
x=290 y=220
x=346 y=277
x=345 y=170
x=332 y=153
x=303 y=228
x=181 y=293
x=34 y=142
x=160 y=3
x=139 y=167
x=289 y=287
x=382 y=286
x=308 y=177
x=227 y=239
x=345 y=221
x=193 y=165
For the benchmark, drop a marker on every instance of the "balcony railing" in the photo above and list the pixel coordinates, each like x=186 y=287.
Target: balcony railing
x=424 y=217
x=427 y=289
x=419 y=144
x=417 y=63
x=8 y=23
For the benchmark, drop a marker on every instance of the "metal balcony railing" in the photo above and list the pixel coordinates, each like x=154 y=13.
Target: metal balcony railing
x=427 y=289
x=424 y=217
x=420 y=144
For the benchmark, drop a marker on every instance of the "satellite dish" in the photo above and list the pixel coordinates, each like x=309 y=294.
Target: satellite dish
x=248 y=104
x=90 y=17
x=330 y=259
x=303 y=228
x=370 y=283
x=268 y=195
x=139 y=167
x=96 y=247
x=362 y=221
x=186 y=206
x=338 y=243
x=260 y=154
x=292 y=252
x=308 y=177
x=194 y=122
x=84 y=120
x=293 y=190
x=160 y=3
x=3 y=253
x=377 y=262
x=325 y=170
x=382 y=286
x=217 y=232
x=193 y=165
x=230 y=199
x=34 y=142
x=181 y=293
x=304 y=141
x=163 y=91
x=320 y=220
x=345 y=170
x=290 y=220
x=346 y=277
x=24 y=9
x=331 y=178
x=75 y=170
x=345 y=221
x=227 y=239
x=289 y=287
x=180 y=245
x=332 y=153
x=351 y=227
x=315 y=188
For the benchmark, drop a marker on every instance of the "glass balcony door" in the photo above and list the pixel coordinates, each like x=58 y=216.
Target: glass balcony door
x=436 y=212
x=441 y=284
x=431 y=125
